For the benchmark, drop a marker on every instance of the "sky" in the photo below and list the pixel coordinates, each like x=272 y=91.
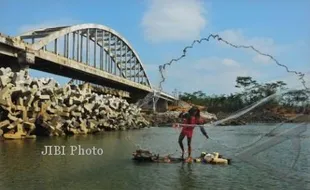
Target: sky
x=159 y=30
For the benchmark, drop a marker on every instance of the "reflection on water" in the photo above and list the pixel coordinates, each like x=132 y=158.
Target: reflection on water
x=23 y=167
x=187 y=176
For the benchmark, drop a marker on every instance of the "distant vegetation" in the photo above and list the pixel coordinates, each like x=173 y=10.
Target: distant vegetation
x=251 y=92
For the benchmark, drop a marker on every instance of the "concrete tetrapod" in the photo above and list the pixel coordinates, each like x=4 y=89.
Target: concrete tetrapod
x=30 y=106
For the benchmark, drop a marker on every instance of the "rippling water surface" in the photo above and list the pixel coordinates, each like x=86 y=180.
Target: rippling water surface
x=23 y=167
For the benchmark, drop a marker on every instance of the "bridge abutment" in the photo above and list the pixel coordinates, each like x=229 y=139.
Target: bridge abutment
x=25 y=58
x=13 y=64
x=162 y=105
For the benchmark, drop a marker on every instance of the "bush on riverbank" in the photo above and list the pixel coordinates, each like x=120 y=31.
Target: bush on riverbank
x=277 y=110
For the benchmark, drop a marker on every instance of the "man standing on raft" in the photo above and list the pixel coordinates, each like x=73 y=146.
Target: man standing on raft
x=191 y=118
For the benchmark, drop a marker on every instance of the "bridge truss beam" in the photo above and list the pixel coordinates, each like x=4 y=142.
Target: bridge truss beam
x=94 y=45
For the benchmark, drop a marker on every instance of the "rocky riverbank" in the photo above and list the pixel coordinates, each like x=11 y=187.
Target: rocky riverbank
x=169 y=117
x=30 y=107
x=257 y=116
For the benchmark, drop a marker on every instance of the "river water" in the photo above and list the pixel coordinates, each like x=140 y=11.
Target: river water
x=22 y=166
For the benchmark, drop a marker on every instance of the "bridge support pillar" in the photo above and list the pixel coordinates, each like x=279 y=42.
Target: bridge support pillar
x=24 y=59
x=162 y=105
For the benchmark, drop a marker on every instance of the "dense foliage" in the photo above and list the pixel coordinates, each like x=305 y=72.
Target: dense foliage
x=250 y=92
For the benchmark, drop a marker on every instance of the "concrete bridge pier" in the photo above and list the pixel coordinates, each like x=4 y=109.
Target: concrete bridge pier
x=16 y=59
x=162 y=105
x=11 y=63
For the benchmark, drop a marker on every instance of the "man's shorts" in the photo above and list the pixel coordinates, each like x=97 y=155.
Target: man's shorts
x=188 y=133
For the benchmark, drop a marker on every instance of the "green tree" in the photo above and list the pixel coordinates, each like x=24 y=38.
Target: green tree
x=251 y=92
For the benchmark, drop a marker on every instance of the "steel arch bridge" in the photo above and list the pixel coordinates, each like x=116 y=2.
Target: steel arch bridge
x=95 y=45
x=85 y=52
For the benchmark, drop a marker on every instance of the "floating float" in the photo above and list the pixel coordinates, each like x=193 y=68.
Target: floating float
x=207 y=158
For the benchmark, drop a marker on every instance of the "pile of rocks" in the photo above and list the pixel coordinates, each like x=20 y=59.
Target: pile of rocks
x=166 y=118
x=30 y=107
x=208 y=116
